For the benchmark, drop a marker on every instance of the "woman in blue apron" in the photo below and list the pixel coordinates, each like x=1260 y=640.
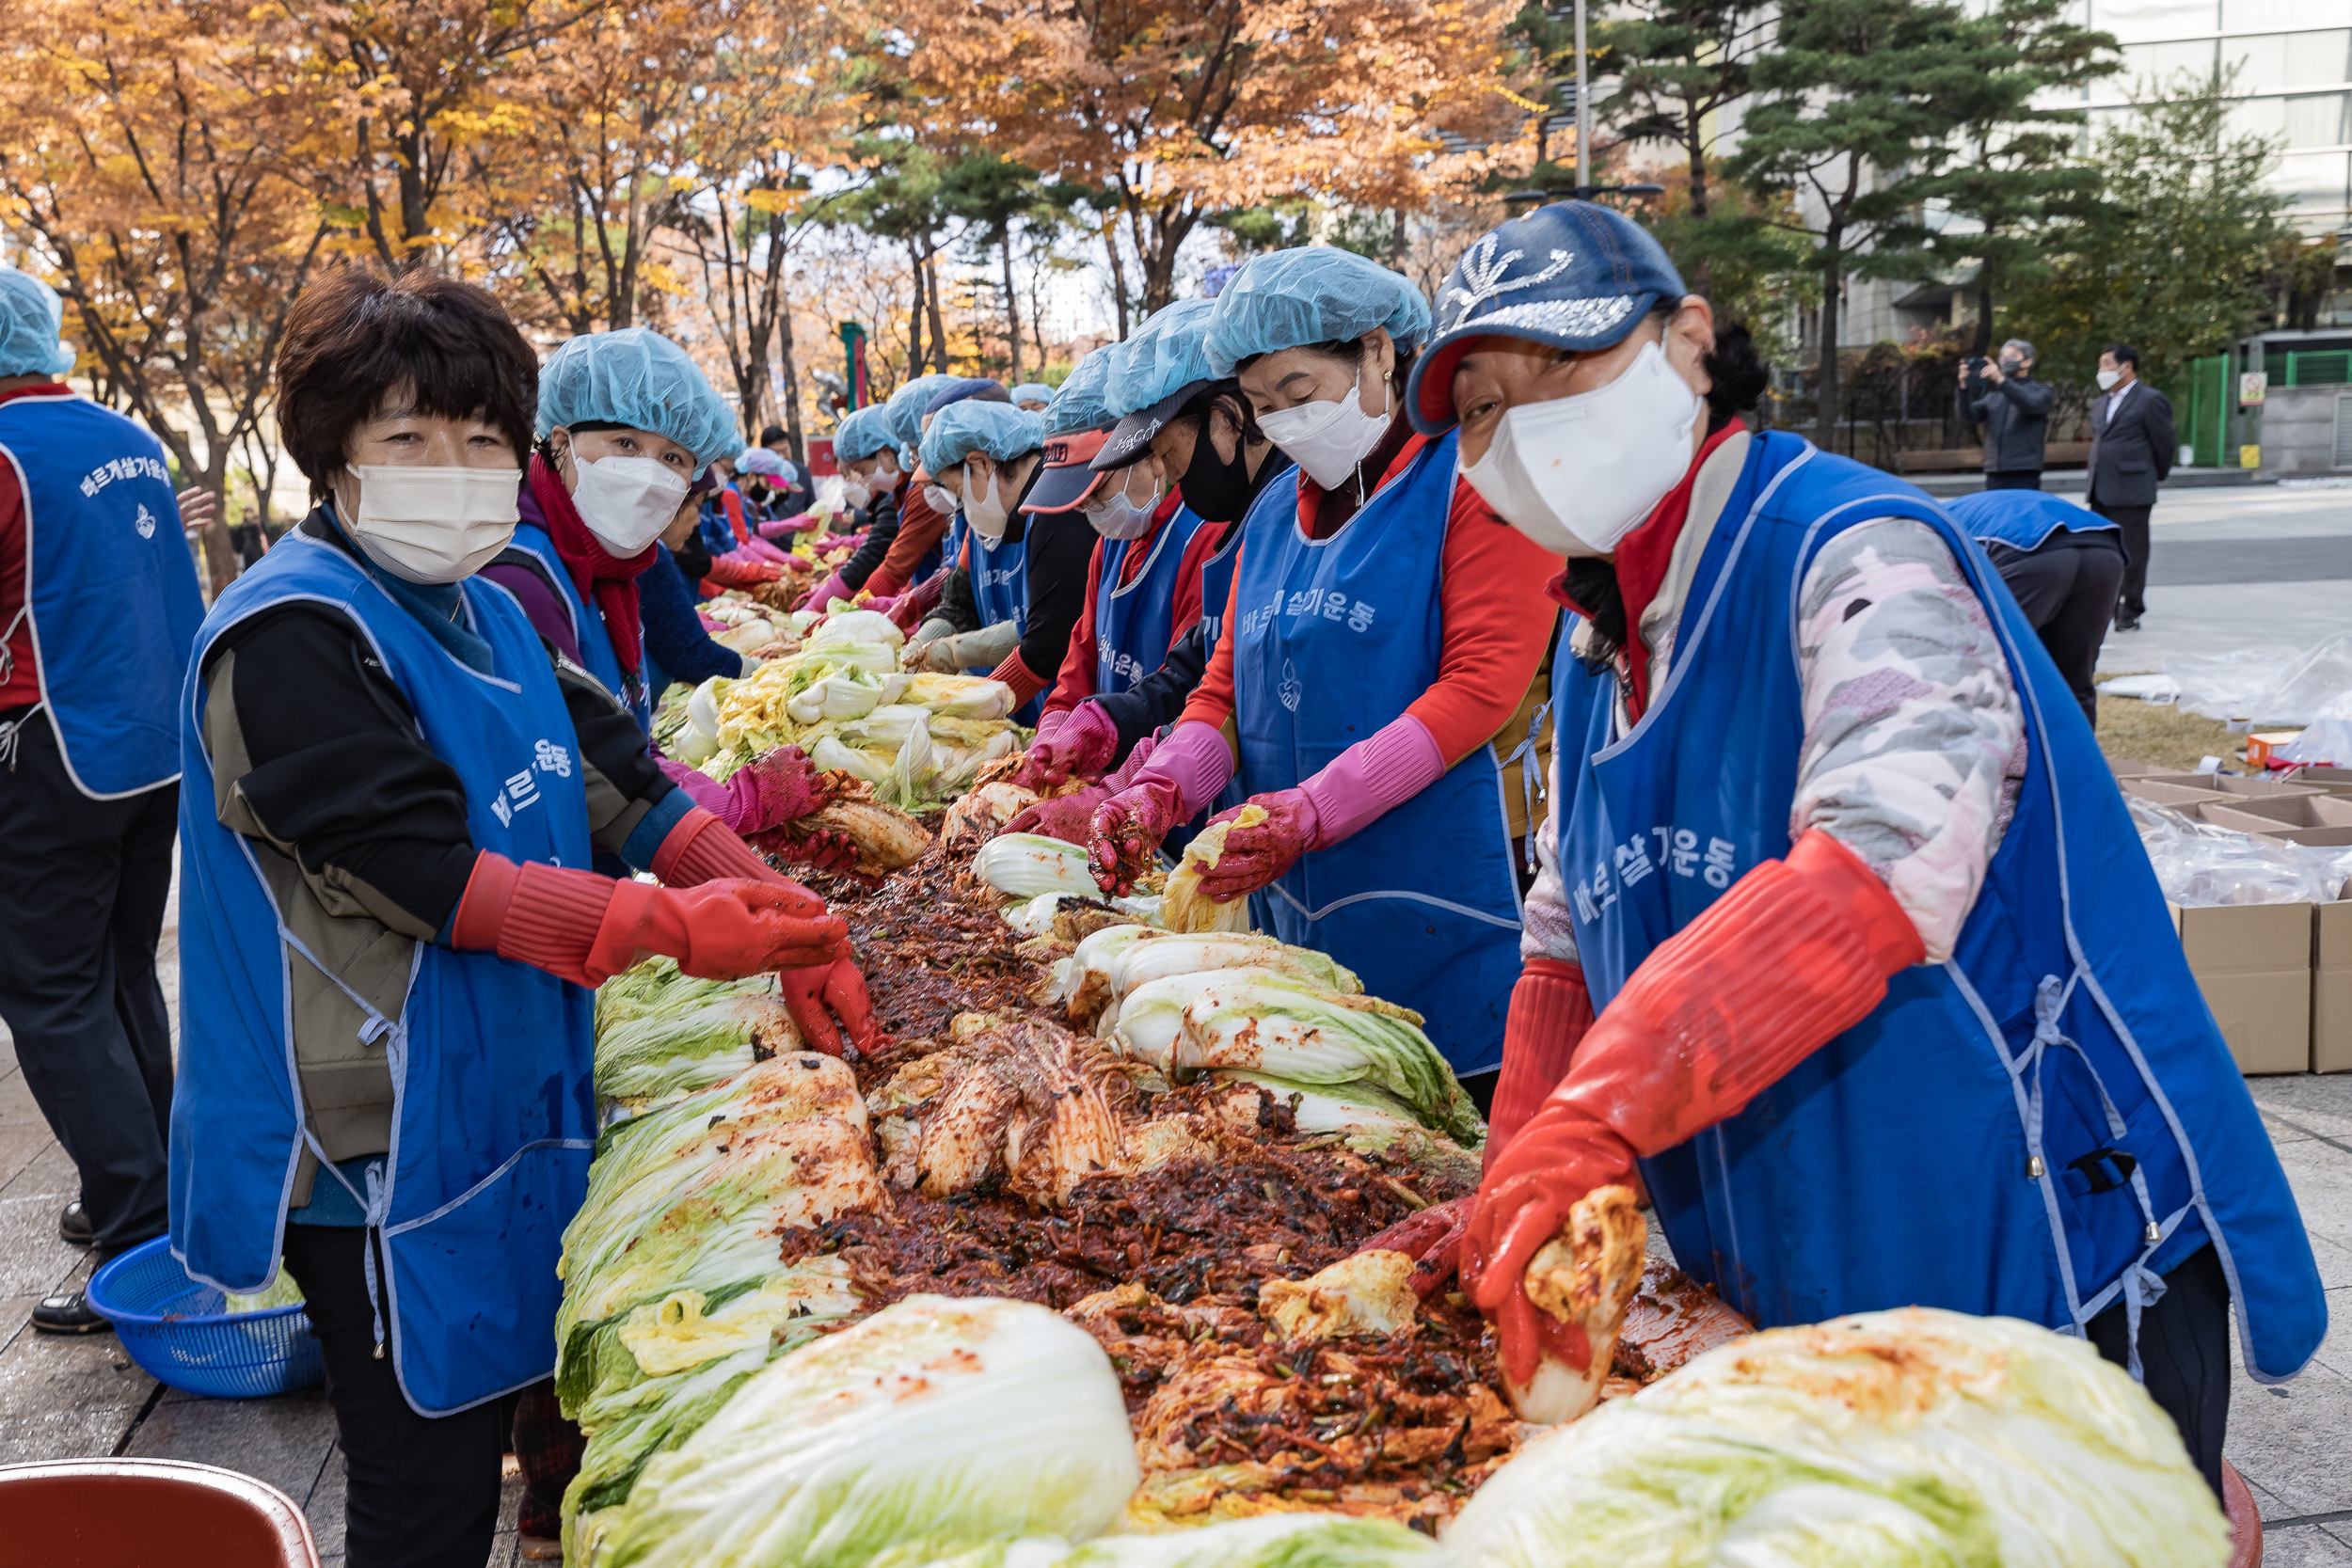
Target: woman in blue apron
x=1191 y=431
x=1381 y=631
x=2063 y=564
x=985 y=457
x=1890 y=1007
x=390 y=935
x=626 y=424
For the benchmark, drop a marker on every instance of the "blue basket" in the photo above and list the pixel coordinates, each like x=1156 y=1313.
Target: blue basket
x=174 y=1328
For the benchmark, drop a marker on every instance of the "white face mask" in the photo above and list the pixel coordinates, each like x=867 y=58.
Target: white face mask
x=626 y=502
x=1329 y=439
x=2107 y=380
x=985 y=512
x=1578 y=474
x=1114 y=517
x=942 y=499
x=434 y=525
x=856 y=491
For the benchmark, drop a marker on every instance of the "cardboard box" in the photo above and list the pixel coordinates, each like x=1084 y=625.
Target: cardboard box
x=2331 y=990
x=2179 y=797
x=2258 y=814
x=2244 y=785
x=2135 y=770
x=2260 y=746
x=2253 y=962
x=2336 y=838
x=2330 y=781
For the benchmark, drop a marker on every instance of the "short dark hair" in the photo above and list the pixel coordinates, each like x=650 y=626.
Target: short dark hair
x=355 y=336
x=1348 y=352
x=770 y=436
x=2123 y=353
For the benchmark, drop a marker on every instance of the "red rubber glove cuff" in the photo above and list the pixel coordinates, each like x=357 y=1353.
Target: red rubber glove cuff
x=702 y=848
x=1026 y=682
x=1550 y=1012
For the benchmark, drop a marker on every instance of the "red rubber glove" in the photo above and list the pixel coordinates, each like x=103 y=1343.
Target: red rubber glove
x=734 y=570
x=1432 y=1237
x=1550 y=1012
x=1068 y=817
x=1082 y=748
x=1797 y=952
x=1256 y=855
x=586 y=928
x=818 y=996
x=906 y=610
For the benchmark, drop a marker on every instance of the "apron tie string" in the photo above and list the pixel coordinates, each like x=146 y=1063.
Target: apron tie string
x=1533 y=784
x=12 y=732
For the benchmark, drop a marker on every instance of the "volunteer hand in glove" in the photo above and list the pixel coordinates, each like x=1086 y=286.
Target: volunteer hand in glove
x=1431 y=1237
x=824 y=848
x=781 y=786
x=1081 y=749
x=1797 y=952
x=1256 y=855
x=937 y=656
x=1125 y=836
x=816 y=997
x=1071 y=817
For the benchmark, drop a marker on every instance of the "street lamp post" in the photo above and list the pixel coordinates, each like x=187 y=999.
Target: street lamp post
x=1583 y=112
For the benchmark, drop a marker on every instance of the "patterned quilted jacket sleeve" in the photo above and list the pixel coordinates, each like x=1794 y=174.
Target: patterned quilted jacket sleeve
x=1914 y=741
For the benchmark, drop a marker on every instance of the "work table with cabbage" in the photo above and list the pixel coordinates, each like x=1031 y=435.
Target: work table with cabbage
x=1090 y=1252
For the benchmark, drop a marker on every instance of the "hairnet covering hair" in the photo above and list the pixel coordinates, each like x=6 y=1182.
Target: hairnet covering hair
x=638 y=379
x=1080 y=404
x=1033 y=391
x=31 y=315
x=760 y=460
x=998 y=430
x=1314 y=293
x=965 y=387
x=1167 y=352
x=908 y=405
x=1574 y=275
x=864 y=432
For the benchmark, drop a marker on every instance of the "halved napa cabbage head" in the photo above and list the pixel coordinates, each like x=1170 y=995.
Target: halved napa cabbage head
x=1269 y=1541
x=932 y=1428
x=1910 y=1437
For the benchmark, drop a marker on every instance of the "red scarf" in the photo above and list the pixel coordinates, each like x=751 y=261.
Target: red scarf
x=609 y=581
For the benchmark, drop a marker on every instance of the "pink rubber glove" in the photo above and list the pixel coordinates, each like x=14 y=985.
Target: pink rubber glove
x=831 y=589
x=776 y=528
x=1362 y=784
x=1182 y=776
x=780 y=788
x=1080 y=747
x=1071 y=817
x=759 y=549
x=1049 y=722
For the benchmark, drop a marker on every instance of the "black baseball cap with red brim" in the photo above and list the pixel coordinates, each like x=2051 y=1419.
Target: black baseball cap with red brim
x=1067 y=477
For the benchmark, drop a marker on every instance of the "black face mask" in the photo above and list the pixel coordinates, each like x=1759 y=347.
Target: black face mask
x=1217 y=489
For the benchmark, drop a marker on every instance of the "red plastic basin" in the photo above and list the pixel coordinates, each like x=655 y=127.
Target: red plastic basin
x=148 y=1514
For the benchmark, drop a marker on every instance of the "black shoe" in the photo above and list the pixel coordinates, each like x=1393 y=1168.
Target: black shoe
x=2127 y=622
x=69 y=1312
x=74 y=1226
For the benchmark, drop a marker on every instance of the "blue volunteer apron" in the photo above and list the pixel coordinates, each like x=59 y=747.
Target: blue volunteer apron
x=1216 y=583
x=109 y=591
x=2040 y=1127
x=1134 y=625
x=494 y=1113
x=999 y=570
x=1335 y=638
x=588 y=628
x=2022 y=519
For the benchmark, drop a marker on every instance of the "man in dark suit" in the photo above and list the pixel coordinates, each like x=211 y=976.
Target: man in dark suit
x=2131 y=445
x=2014 y=410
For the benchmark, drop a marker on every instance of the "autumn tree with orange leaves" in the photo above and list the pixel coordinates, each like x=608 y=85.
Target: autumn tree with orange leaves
x=1179 y=109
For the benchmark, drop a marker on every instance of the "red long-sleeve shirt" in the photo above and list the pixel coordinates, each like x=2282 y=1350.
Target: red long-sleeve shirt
x=920 y=527
x=22 y=686
x=1498 y=619
x=1074 y=684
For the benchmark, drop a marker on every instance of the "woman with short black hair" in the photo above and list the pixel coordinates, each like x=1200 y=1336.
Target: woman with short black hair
x=390 y=935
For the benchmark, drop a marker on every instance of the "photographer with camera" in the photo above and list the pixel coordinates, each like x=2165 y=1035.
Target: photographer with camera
x=2014 y=409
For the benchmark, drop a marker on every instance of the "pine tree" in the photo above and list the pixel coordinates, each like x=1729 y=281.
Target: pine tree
x=1856 y=106
x=1680 y=64
x=2015 y=171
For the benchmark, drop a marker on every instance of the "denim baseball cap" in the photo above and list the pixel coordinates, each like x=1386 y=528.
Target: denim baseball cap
x=1574 y=275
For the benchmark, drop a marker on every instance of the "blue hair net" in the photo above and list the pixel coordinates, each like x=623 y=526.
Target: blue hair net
x=962 y=387
x=1080 y=404
x=997 y=430
x=864 y=432
x=1033 y=391
x=1315 y=293
x=906 y=405
x=1168 y=352
x=30 y=316
x=637 y=377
